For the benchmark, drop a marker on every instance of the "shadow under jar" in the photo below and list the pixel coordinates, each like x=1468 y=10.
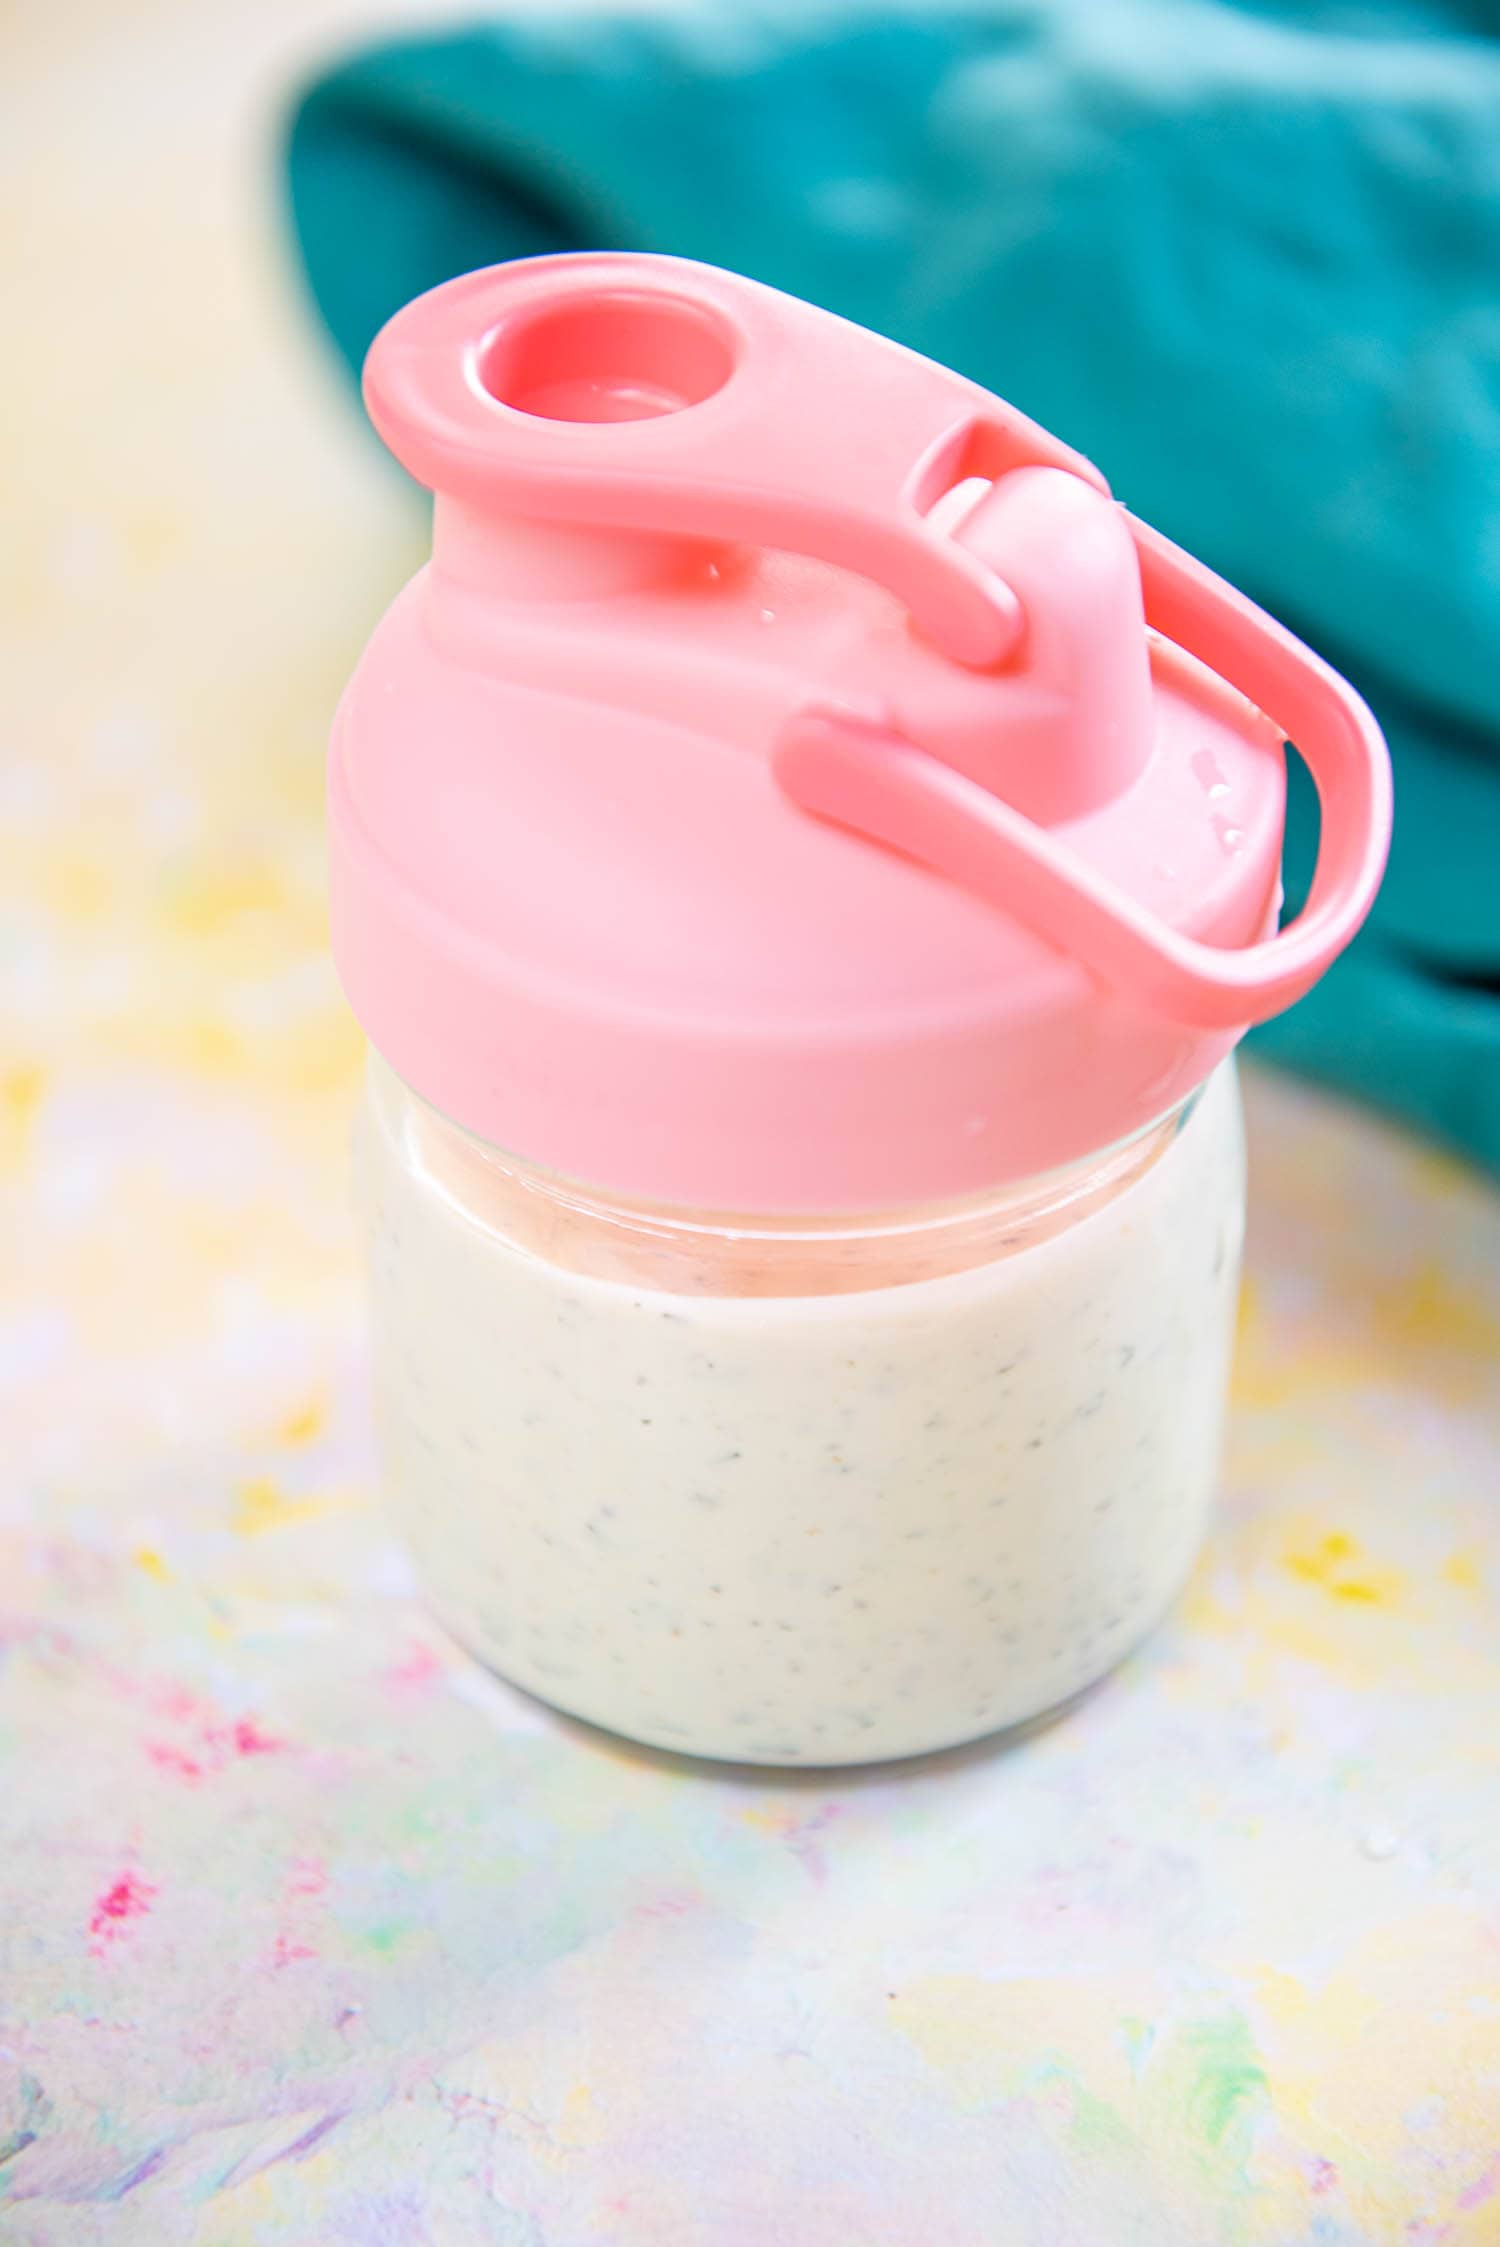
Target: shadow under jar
x=804 y=1491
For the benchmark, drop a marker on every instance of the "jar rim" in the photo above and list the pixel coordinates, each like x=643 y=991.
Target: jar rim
x=594 y=1230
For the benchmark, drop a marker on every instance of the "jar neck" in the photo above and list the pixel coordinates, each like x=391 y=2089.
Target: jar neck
x=659 y=1248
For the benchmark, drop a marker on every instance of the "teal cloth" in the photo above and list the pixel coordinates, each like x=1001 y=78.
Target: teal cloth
x=1246 y=257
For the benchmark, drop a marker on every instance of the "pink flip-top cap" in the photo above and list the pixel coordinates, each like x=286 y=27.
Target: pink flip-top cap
x=795 y=784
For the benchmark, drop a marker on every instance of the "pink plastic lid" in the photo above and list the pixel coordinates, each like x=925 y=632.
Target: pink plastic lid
x=795 y=784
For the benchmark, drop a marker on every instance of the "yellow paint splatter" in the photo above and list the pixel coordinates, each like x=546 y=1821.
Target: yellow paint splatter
x=576 y=2124
x=152 y=1564
x=1427 y=1329
x=1464 y=1571
x=304 y=1424
x=208 y=900
x=22 y=1089
x=21 y=1094
x=1452 y=1330
x=1334 y=1563
x=322 y=1053
x=1335 y=1546
x=211 y=1048
x=1332 y=2040
x=771 y=1817
x=260 y=1504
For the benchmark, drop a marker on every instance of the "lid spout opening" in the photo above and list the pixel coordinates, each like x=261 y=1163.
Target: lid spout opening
x=611 y=355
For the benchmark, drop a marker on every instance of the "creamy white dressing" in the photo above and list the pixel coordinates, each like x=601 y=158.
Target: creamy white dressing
x=804 y=1528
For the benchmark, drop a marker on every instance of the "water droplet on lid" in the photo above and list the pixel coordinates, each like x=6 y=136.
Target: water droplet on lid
x=1380 y=1843
x=768 y=616
x=1231 y=838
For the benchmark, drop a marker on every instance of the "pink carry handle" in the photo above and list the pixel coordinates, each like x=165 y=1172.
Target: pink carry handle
x=558 y=390
x=874 y=781
x=618 y=396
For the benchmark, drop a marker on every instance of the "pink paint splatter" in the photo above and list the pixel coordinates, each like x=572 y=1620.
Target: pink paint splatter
x=418 y=1666
x=308 y=1877
x=129 y=1898
x=177 y=1761
x=215 y=1746
x=671 y=1903
x=248 y=1739
x=1324 y=2177
x=1483 y=2188
x=284 y=1951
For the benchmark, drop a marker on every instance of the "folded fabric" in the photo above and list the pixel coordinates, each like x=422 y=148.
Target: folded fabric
x=1244 y=256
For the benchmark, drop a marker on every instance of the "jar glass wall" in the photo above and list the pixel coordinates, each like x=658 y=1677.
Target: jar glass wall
x=803 y=1490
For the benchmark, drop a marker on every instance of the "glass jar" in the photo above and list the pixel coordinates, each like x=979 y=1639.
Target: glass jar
x=808 y=1490
x=795 y=784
